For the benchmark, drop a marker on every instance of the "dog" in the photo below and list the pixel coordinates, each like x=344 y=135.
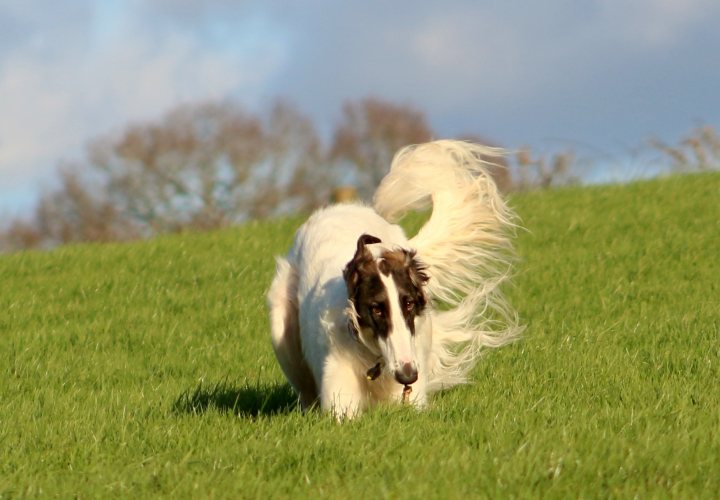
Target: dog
x=361 y=314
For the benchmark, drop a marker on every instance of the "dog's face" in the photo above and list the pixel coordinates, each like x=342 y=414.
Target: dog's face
x=386 y=291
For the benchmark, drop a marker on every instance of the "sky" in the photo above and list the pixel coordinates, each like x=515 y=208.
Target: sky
x=600 y=77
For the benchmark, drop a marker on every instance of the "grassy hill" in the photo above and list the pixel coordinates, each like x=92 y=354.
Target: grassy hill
x=146 y=369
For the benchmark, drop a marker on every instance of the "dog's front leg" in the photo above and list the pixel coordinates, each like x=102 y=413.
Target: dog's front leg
x=418 y=396
x=342 y=392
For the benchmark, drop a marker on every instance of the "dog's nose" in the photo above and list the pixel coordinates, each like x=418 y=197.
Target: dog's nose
x=407 y=374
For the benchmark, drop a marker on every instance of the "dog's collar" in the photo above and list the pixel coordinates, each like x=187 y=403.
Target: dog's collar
x=375 y=371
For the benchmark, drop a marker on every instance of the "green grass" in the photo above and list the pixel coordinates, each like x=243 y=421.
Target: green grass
x=146 y=369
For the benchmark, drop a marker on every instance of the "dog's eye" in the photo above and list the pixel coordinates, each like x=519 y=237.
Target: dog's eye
x=408 y=304
x=376 y=310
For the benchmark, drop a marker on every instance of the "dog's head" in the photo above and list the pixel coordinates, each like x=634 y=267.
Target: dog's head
x=385 y=290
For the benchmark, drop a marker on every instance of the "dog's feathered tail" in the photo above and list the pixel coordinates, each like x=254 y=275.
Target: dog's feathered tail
x=466 y=246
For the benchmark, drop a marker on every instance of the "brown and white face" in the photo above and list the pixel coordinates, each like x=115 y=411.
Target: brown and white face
x=386 y=291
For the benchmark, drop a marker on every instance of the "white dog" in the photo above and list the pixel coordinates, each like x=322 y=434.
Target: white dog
x=360 y=314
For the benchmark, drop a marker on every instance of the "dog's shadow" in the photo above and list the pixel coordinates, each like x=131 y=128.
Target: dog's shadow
x=244 y=401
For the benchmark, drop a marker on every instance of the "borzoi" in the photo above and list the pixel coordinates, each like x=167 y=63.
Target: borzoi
x=361 y=314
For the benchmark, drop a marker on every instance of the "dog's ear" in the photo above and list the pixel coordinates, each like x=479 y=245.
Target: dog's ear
x=365 y=239
x=418 y=276
x=362 y=257
x=417 y=269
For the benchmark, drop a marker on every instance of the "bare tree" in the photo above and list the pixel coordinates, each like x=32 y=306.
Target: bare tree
x=183 y=171
x=370 y=133
x=77 y=211
x=201 y=166
x=295 y=177
x=209 y=165
x=543 y=172
x=20 y=234
x=698 y=151
x=73 y=212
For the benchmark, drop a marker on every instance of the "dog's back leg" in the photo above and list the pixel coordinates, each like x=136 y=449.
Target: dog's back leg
x=285 y=332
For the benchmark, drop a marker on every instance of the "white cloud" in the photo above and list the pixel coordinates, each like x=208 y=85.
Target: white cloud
x=469 y=53
x=654 y=24
x=57 y=97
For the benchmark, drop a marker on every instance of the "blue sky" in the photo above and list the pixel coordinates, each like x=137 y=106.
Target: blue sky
x=597 y=76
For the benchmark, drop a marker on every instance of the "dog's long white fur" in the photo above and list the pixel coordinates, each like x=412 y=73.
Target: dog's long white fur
x=466 y=246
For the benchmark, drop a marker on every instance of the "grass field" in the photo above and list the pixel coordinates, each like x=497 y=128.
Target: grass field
x=145 y=369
